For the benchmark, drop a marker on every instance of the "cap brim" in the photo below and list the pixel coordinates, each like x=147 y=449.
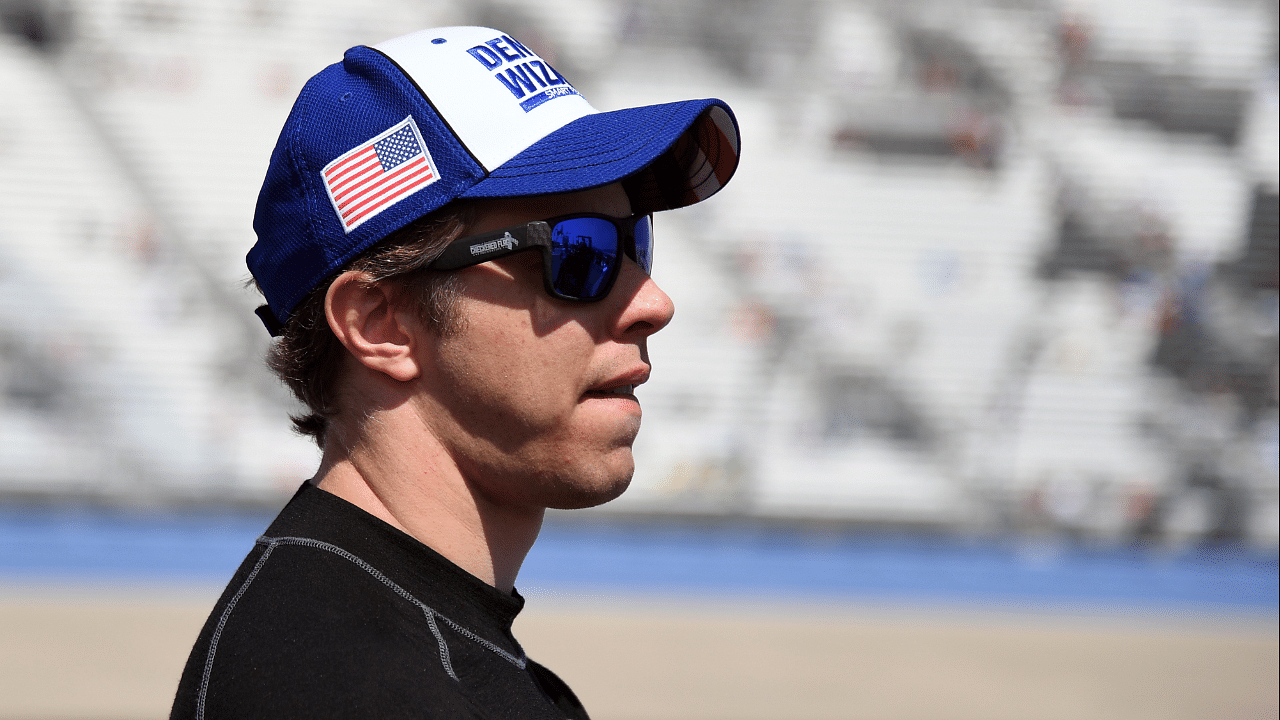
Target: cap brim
x=668 y=156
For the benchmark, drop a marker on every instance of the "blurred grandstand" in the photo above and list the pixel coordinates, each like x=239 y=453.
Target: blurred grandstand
x=1005 y=265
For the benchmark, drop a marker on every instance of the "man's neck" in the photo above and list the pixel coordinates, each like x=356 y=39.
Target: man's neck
x=411 y=484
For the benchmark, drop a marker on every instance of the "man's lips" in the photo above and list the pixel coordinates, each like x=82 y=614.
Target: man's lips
x=620 y=386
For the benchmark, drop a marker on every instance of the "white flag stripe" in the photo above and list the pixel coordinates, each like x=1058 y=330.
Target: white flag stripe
x=357 y=182
x=357 y=199
x=355 y=170
x=385 y=183
x=413 y=183
x=341 y=166
x=391 y=200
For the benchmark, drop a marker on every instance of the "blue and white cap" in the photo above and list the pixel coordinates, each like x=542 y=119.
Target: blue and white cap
x=399 y=129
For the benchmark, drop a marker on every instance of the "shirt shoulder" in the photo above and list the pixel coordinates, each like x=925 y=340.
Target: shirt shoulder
x=306 y=633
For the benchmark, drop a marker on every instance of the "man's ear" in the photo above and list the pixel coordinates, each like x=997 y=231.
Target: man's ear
x=372 y=326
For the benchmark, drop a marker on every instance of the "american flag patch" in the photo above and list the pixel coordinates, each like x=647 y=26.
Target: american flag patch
x=370 y=178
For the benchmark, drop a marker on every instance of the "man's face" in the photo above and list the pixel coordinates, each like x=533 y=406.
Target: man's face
x=531 y=396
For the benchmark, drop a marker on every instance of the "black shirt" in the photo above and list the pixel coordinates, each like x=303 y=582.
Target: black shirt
x=336 y=614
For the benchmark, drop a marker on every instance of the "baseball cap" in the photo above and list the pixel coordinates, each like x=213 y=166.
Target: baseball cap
x=401 y=128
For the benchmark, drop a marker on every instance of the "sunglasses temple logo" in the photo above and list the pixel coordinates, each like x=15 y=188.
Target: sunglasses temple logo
x=506 y=242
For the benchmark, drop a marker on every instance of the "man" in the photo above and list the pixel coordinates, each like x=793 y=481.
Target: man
x=455 y=251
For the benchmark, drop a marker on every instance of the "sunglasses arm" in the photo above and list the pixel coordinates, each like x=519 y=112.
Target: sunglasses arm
x=476 y=249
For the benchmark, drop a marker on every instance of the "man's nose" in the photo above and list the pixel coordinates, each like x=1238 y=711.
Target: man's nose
x=646 y=308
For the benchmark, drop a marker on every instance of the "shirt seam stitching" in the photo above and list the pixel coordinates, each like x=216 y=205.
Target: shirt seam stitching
x=429 y=612
x=217 y=633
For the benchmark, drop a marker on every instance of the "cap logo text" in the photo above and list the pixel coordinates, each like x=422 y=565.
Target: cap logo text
x=530 y=79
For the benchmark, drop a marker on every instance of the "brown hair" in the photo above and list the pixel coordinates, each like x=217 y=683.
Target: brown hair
x=308 y=357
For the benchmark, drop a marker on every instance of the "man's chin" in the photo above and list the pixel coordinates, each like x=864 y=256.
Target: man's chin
x=579 y=495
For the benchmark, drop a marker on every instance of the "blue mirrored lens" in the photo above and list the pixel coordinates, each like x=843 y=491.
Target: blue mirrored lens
x=584 y=252
x=644 y=244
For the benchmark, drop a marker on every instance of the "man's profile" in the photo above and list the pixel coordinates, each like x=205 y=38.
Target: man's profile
x=455 y=250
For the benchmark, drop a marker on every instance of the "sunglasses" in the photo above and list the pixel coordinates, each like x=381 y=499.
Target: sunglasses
x=581 y=254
